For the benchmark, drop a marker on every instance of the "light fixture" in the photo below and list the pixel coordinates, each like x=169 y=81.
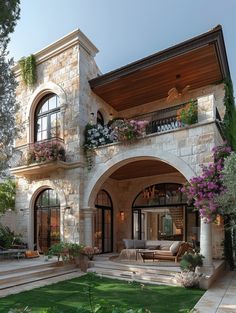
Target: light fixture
x=69 y=210
x=219 y=220
x=122 y=215
x=91 y=118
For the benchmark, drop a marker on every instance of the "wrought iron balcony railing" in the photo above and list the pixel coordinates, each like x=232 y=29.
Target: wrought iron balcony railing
x=163 y=120
x=39 y=152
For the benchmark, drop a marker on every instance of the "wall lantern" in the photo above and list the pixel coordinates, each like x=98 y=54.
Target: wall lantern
x=92 y=118
x=69 y=210
x=219 y=220
x=122 y=215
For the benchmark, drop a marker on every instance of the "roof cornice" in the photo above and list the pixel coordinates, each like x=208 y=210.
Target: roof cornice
x=70 y=40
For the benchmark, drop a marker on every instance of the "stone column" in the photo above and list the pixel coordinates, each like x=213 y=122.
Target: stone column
x=206 y=108
x=206 y=247
x=88 y=214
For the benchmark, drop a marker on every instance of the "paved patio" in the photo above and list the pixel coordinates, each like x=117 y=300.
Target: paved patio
x=221 y=297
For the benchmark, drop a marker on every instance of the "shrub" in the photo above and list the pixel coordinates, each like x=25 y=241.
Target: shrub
x=190 y=261
x=8 y=237
x=188 y=279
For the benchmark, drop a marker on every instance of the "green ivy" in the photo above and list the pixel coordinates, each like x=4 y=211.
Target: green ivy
x=28 y=70
x=230 y=114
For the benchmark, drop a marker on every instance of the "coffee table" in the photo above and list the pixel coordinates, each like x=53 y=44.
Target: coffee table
x=146 y=254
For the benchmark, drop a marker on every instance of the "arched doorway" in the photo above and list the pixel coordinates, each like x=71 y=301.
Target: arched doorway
x=46 y=220
x=160 y=212
x=104 y=222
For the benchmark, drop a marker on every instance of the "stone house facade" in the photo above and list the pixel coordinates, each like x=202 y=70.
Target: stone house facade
x=107 y=203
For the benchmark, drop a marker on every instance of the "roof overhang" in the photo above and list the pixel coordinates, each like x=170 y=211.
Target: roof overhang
x=197 y=62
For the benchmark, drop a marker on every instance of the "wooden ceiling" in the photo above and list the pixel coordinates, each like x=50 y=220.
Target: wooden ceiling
x=197 y=62
x=142 y=168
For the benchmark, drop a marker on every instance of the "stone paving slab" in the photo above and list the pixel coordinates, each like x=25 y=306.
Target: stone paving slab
x=221 y=297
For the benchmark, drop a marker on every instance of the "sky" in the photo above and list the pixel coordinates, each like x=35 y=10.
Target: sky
x=123 y=30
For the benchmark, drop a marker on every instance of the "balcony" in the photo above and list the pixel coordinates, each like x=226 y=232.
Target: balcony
x=186 y=115
x=40 y=159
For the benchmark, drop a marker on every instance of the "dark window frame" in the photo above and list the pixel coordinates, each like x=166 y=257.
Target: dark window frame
x=104 y=208
x=46 y=114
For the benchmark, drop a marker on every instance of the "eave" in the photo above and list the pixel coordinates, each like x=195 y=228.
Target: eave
x=199 y=61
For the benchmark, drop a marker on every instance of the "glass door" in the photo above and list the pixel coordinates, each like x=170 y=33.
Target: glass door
x=47 y=220
x=103 y=235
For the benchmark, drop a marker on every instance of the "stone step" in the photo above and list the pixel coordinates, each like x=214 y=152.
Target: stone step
x=136 y=268
x=25 y=268
x=26 y=277
x=131 y=276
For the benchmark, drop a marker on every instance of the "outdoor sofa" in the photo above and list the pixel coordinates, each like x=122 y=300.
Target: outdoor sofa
x=136 y=250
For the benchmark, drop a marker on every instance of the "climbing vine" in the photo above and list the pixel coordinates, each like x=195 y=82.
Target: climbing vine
x=28 y=70
x=230 y=114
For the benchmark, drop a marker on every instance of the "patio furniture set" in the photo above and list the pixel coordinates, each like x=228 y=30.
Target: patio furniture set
x=137 y=250
x=17 y=252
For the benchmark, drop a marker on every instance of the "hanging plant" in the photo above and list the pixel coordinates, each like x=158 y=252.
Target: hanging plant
x=28 y=70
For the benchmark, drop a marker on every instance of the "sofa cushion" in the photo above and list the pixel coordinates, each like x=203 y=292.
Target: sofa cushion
x=139 y=244
x=152 y=243
x=129 y=243
x=158 y=247
x=163 y=252
x=175 y=247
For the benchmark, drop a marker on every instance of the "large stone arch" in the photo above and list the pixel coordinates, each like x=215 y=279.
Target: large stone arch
x=37 y=95
x=97 y=177
x=35 y=192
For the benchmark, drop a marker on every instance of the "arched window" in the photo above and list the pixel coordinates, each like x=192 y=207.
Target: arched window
x=47 y=220
x=100 y=119
x=47 y=118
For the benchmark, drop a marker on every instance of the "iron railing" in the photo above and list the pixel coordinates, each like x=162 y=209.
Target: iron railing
x=162 y=120
x=21 y=153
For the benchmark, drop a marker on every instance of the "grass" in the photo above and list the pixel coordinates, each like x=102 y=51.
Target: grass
x=69 y=295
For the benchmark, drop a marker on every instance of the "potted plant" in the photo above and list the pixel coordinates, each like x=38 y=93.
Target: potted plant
x=74 y=251
x=89 y=252
x=60 y=250
x=188 y=114
x=190 y=276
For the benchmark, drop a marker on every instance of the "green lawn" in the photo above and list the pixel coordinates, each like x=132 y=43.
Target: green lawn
x=68 y=295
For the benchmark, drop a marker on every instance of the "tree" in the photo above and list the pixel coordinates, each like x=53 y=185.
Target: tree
x=9 y=14
x=229 y=122
x=7 y=196
x=227 y=205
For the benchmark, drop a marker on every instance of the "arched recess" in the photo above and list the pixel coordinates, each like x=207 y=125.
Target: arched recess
x=35 y=193
x=35 y=98
x=97 y=177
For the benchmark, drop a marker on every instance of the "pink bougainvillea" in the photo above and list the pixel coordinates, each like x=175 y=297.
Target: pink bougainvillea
x=45 y=151
x=202 y=190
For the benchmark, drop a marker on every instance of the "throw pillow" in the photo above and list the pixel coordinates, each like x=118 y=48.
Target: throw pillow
x=129 y=243
x=175 y=247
